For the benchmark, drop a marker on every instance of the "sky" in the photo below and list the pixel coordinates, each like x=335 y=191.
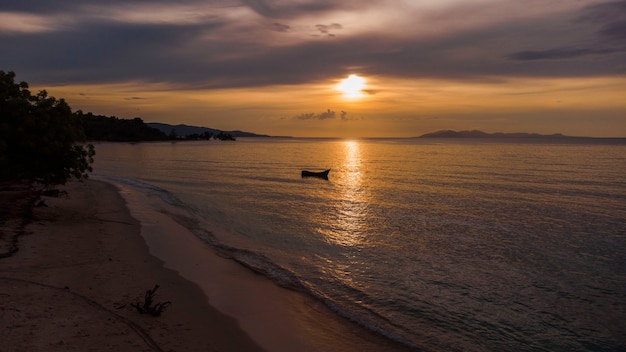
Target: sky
x=327 y=68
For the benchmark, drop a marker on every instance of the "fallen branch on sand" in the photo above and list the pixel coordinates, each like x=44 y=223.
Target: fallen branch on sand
x=148 y=307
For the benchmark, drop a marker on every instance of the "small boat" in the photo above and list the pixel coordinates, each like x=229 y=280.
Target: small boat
x=321 y=174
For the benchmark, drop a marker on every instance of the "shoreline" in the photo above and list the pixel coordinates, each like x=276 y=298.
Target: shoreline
x=81 y=264
x=97 y=250
x=276 y=318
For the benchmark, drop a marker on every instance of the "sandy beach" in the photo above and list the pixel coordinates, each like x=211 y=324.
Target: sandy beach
x=85 y=258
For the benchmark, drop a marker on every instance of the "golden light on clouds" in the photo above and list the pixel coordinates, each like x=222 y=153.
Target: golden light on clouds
x=14 y=22
x=400 y=107
x=238 y=64
x=352 y=87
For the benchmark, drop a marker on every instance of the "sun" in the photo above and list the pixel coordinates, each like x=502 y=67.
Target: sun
x=352 y=87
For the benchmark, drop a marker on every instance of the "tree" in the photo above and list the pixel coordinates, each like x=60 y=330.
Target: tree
x=225 y=136
x=41 y=140
x=173 y=134
x=111 y=128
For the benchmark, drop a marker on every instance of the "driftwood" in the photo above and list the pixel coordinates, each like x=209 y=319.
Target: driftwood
x=148 y=307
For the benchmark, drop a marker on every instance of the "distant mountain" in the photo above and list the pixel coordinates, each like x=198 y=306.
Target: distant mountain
x=186 y=130
x=481 y=134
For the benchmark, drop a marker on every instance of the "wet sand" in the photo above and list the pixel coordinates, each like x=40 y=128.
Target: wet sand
x=85 y=258
x=80 y=265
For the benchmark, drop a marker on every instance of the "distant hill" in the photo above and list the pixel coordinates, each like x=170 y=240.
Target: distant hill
x=186 y=130
x=481 y=134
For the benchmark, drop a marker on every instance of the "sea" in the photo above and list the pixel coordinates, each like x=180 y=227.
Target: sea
x=439 y=244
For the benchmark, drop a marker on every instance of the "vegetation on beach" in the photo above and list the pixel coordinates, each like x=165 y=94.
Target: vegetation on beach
x=148 y=306
x=114 y=129
x=111 y=128
x=41 y=140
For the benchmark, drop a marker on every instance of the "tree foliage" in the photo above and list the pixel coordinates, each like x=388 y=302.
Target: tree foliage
x=41 y=140
x=105 y=128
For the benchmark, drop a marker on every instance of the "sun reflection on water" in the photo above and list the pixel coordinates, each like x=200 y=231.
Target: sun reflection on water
x=347 y=226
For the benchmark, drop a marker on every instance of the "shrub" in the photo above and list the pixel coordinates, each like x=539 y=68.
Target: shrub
x=41 y=140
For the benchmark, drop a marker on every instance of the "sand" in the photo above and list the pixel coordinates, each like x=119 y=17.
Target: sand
x=85 y=258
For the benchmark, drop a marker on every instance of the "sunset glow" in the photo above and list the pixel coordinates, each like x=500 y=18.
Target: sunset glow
x=330 y=70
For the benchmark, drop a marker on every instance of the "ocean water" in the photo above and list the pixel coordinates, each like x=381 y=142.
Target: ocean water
x=443 y=245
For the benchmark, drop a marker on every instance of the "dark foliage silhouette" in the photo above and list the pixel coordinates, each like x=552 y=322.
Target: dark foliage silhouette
x=41 y=140
x=105 y=128
x=148 y=306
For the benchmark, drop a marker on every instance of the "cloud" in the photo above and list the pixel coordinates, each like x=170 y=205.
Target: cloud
x=224 y=44
x=279 y=27
x=325 y=29
x=561 y=53
x=615 y=31
x=326 y=115
x=608 y=21
x=16 y=22
x=288 y=8
x=611 y=17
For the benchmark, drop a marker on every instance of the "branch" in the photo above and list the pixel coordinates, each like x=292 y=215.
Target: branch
x=148 y=307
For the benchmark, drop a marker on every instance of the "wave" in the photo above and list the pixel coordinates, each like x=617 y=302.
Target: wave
x=259 y=263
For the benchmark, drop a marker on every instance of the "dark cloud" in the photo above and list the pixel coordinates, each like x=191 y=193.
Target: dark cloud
x=326 y=28
x=344 y=116
x=288 y=9
x=615 y=31
x=612 y=18
x=279 y=27
x=65 y=6
x=561 y=53
x=265 y=8
x=262 y=7
x=326 y=115
x=221 y=53
x=109 y=52
x=609 y=19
